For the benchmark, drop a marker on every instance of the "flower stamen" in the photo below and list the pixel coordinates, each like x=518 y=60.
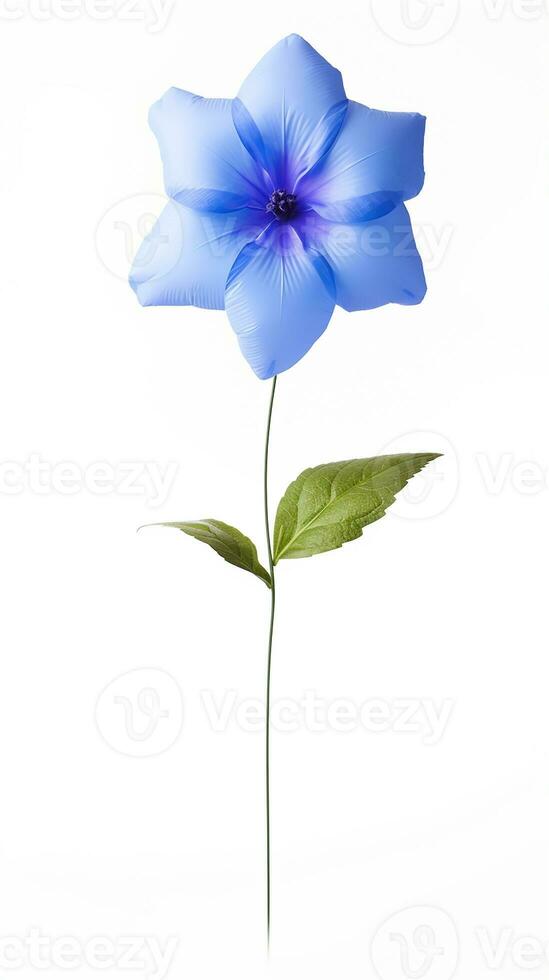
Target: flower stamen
x=282 y=205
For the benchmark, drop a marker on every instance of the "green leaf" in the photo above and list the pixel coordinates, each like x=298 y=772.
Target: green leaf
x=330 y=504
x=227 y=541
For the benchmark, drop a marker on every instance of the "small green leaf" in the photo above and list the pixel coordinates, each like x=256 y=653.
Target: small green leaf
x=229 y=542
x=330 y=504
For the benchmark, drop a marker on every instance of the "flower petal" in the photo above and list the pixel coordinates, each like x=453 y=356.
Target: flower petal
x=375 y=151
x=279 y=300
x=297 y=103
x=186 y=258
x=207 y=199
x=251 y=138
x=374 y=262
x=201 y=150
x=365 y=208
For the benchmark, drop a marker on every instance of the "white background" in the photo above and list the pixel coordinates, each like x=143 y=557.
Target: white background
x=442 y=603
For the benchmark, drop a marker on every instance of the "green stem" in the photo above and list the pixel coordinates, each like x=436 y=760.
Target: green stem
x=269 y=659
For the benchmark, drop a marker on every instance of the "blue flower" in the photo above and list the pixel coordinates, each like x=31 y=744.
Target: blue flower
x=283 y=202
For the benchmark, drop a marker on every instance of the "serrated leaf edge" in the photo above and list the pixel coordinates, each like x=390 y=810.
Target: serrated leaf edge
x=279 y=555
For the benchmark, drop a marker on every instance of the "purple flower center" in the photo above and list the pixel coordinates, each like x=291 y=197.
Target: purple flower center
x=282 y=205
